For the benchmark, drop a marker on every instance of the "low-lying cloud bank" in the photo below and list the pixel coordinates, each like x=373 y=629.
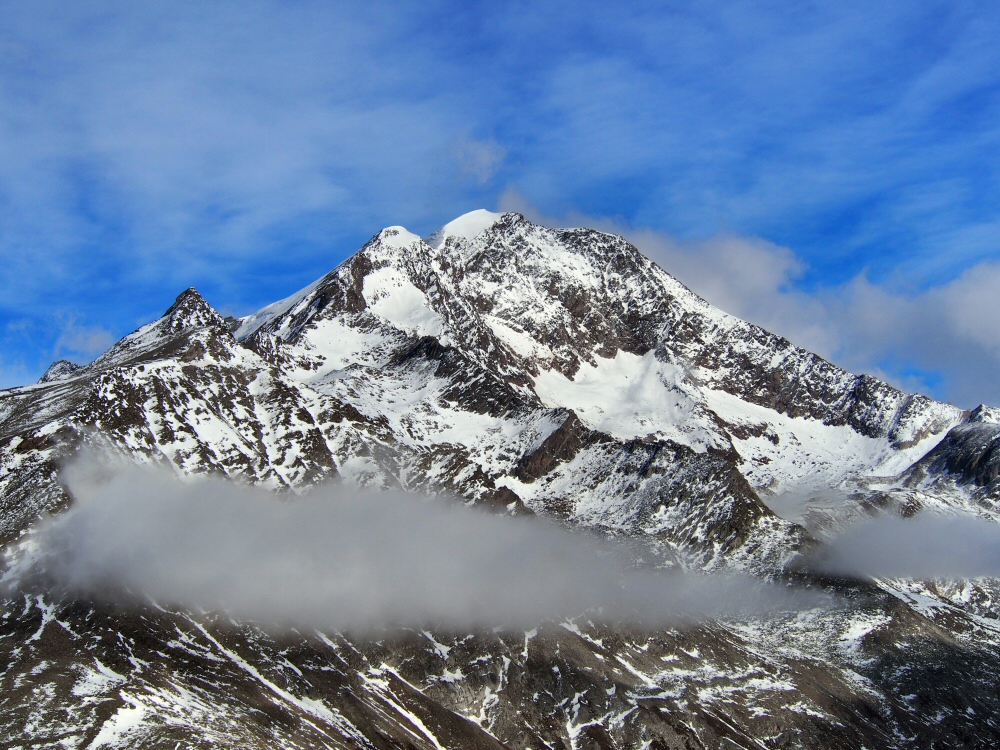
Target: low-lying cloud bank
x=349 y=559
x=344 y=558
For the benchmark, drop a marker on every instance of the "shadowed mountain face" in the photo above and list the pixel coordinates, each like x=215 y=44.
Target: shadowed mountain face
x=526 y=370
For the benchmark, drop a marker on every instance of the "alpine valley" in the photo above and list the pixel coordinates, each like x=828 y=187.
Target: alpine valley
x=526 y=370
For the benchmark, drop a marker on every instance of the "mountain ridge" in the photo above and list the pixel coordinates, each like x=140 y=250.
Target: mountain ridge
x=526 y=370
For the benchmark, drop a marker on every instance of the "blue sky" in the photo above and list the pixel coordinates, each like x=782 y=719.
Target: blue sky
x=841 y=159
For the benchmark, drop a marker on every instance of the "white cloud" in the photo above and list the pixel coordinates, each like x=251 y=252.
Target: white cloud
x=82 y=341
x=923 y=547
x=478 y=160
x=341 y=557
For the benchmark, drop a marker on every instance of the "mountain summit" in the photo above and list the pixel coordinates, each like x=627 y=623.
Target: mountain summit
x=466 y=227
x=523 y=369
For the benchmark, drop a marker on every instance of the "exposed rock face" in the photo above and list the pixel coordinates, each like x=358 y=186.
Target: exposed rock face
x=562 y=444
x=59 y=370
x=971 y=453
x=527 y=370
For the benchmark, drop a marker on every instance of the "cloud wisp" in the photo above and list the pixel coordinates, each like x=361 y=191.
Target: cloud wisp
x=82 y=341
x=344 y=558
x=923 y=547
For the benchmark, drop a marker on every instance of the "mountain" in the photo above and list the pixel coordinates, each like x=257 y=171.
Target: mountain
x=526 y=370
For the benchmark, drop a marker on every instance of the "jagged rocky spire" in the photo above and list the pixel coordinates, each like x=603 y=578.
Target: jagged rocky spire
x=190 y=310
x=58 y=370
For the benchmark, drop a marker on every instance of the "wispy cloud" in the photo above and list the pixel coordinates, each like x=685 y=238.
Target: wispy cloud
x=247 y=150
x=82 y=341
x=478 y=160
x=141 y=145
x=832 y=130
x=921 y=547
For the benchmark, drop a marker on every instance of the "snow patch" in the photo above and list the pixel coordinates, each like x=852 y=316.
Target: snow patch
x=393 y=297
x=121 y=727
x=467 y=227
x=800 y=457
x=251 y=323
x=398 y=237
x=628 y=396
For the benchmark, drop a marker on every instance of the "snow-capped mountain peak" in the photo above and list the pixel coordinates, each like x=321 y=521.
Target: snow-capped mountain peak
x=522 y=369
x=190 y=310
x=467 y=227
x=580 y=320
x=397 y=236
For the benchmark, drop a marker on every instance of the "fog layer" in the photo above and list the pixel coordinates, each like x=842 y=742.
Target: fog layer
x=343 y=558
